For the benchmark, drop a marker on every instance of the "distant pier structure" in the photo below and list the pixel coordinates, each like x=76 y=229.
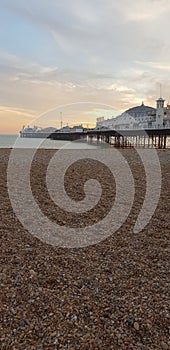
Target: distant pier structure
x=148 y=138
x=140 y=126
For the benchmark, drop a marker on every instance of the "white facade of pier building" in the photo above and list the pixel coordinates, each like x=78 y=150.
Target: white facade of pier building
x=139 y=117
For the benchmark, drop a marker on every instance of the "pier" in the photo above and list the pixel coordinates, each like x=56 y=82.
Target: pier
x=147 y=138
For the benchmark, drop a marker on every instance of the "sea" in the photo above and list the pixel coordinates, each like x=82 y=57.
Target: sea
x=14 y=141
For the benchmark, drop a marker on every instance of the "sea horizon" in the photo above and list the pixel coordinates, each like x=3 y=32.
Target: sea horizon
x=14 y=141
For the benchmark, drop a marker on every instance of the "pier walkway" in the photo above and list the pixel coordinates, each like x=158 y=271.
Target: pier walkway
x=119 y=138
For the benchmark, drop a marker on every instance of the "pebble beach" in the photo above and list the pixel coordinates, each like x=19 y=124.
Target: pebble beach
x=112 y=295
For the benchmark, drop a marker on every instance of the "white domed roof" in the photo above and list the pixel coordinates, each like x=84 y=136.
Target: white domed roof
x=140 y=111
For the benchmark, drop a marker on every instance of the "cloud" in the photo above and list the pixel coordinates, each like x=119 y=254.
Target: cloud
x=16 y=111
x=99 y=33
x=146 y=10
x=34 y=87
x=155 y=65
x=113 y=52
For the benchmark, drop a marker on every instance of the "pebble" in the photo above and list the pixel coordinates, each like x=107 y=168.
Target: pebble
x=17 y=261
x=74 y=318
x=102 y=296
x=22 y=324
x=14 y=332
x=13 y=311
x=136 y=326
x=164 y=346
x=32 y=273
x=29 y=250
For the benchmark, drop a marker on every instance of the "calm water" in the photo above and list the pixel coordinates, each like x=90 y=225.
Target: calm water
x=8 y=141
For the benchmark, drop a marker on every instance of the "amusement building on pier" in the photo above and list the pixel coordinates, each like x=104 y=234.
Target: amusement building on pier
x=139 y=117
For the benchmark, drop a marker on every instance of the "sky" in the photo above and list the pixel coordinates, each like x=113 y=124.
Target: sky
x=97 y=57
